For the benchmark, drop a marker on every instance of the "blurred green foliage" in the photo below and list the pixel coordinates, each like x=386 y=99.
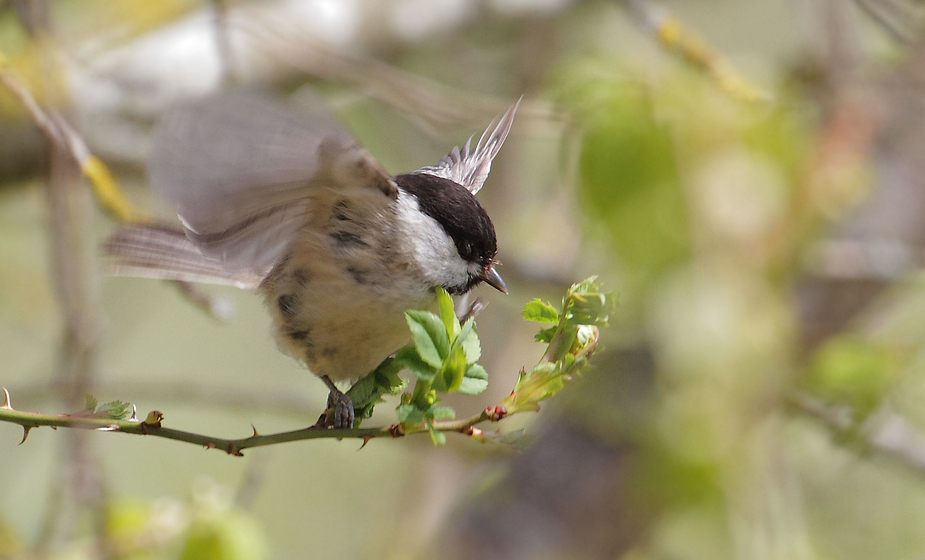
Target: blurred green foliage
x=702 y=209
x=851 y=371
x=629 y=178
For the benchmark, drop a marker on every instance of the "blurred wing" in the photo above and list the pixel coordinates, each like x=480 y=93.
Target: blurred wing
x=164 y=253
x=469 y=167
x=241 y=169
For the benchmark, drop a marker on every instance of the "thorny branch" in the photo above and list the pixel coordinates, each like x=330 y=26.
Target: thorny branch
x=572 y=339
x=152 y=426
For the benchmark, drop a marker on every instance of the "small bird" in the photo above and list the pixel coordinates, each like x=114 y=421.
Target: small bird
x=279 y=198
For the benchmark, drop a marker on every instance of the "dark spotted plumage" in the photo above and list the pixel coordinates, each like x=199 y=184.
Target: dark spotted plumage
x=341 y=210
x=347 y=239
x=299 y=335
x=287 y=305
x=360 y=275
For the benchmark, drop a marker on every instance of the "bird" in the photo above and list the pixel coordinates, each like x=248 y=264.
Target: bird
x=277 y=197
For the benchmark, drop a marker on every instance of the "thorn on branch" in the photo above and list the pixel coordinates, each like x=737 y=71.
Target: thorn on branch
x=6 y=401
x=365 y=441
x=25 y=432
x=110 y=428
x=472 y=431
x=397 y=430
x=255 y=431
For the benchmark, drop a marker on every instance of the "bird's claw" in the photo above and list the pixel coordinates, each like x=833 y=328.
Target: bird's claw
x=340 y=411
x=339 y=414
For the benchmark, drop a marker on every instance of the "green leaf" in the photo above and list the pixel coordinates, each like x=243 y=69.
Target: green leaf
x=388 y=380
x=849 y=370
x=441 y=412
x=540 y=312
x=452 y=372
x=362 y=390
x=439 y=438
x=469 y=340
x=540 y=383
x=91 y=403
x=115 y=410
x=590 y=308
x=475 y=380
x=448 y=312
x=368 y=391
x=589 y=284
x=409 y=414
x=408 y=357
x=585 y=304
x=545 y=335
x=429 y=335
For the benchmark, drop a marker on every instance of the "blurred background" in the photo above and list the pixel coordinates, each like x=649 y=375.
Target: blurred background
x=749 y=176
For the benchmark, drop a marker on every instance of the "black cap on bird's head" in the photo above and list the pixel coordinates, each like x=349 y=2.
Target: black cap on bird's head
x=446 y=192
x=464 y=221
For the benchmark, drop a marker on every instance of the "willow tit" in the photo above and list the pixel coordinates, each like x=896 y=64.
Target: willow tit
x=281 y=199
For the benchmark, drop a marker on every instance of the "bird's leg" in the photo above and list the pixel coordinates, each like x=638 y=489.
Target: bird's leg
x=339 y=414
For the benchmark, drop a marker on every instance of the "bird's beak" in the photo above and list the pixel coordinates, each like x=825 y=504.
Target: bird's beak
x=493 y=279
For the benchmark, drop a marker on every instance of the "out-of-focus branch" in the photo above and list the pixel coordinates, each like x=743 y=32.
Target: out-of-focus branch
x=77 y=286
x=891 y=18
x=106 y=189
x=889 y=436
x=64 y=137
x=410 y=93
x=674 y=36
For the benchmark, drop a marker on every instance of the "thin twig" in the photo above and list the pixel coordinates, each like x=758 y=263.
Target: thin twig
x=61 y=135
x=76 y=284
x=881 y=19
x=670 y=32
x=892 y=437
x=413 y=94
x=151 y=426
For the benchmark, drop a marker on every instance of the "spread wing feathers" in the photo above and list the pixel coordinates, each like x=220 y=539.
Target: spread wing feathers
x=469 y=167
x=165 y=253
x=241 y=169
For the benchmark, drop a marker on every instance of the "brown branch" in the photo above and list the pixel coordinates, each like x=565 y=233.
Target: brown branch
x=151 y=426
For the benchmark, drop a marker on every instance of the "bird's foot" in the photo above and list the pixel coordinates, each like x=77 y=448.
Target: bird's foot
x=339 y=414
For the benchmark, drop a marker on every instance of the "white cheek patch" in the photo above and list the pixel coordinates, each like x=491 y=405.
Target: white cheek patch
x=434 y=251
